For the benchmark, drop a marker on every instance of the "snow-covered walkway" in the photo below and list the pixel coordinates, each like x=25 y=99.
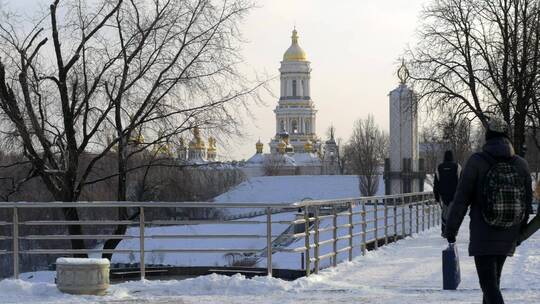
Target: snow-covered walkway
x=406 y=272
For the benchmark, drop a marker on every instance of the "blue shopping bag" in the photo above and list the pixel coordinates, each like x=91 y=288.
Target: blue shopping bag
x=450 y=265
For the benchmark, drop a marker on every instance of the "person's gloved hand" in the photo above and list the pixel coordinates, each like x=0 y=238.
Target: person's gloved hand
x=451 y=239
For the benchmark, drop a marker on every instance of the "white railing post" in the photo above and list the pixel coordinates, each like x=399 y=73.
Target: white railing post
x=428 y=206
x=350 y=231
x=395 y=219
x=142 y=268
x=376 y=224
x=417 y=217
x=385 y=222
x=410 y=217
x=334 y=235
x=15 y=235
x=316 y=241
x=364 y=227
x=403 y=224
x=269 y=241
x=431 y=215
x=423 y=216
x=307 y=242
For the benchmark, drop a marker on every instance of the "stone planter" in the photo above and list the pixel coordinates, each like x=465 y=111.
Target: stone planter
x=82 y=276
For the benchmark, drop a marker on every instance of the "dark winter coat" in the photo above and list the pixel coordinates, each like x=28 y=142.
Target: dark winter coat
x=485 y=239
x=446 y=180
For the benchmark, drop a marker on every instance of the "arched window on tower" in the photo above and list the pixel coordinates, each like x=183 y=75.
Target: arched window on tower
x=282 y=125
x=294 y=125
x=294 y=88
x=303 y=87
x=308 y=126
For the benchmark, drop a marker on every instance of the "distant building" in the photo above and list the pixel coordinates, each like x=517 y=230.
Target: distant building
x=295 y=149
x=197 y=152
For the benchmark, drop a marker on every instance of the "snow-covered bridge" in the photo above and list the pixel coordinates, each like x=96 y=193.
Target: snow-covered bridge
x=405 y=272
x=304 y=236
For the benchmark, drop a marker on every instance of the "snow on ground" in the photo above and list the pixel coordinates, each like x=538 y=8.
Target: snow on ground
x=406 y=272
x=286 y=260
x=199 y=259
x=289 y=189
x=296 y=188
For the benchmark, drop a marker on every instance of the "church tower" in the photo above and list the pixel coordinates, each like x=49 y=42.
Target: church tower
x=295 y=112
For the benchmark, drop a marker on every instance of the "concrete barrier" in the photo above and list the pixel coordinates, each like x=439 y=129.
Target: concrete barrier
x=82 y=276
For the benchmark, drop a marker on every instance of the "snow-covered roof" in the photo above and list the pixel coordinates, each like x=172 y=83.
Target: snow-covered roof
x=307 y=159
x=257 y=159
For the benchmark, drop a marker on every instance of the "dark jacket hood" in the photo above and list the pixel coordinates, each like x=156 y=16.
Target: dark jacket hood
x=448 y=156
x=499 y=147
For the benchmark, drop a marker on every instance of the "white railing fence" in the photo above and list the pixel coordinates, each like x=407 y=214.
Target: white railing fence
x=321 y=233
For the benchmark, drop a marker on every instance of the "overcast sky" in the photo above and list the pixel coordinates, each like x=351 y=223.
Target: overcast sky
x=354 y=47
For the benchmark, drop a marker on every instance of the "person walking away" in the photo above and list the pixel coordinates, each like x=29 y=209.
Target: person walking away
x=445 y=184
x=496 y=185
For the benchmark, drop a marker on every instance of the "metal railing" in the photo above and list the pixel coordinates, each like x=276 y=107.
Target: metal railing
x=322 y=232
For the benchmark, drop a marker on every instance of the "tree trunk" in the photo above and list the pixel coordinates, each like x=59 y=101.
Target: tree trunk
x=121 y=197
x=120 y=230
x=71 y=214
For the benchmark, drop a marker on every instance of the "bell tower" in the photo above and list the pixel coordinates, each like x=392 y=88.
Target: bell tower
x=295 y=112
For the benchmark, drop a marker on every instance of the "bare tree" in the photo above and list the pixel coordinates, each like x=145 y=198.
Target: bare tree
x=481 y=56
x=431 y=148
x=456 y=136
x=161 y=66
x=365 y=153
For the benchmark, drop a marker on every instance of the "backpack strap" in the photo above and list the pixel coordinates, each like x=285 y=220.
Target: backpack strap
x=488 y=158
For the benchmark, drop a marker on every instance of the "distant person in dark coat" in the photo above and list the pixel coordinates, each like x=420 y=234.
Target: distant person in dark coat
x=445 y=184
x=490 y=245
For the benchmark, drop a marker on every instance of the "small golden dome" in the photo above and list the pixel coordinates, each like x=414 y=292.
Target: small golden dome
x=162 y=150
x=282 y=146
x=259 y=146
x=295 y=52
x=211 y=144
x=197 y=142
x=308 y=146
x=200 y=145
x=137 y=139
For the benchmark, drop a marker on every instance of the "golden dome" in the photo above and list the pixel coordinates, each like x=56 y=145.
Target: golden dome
x=162 y=150
x=259 y=146
x=136 y=139
x=295 y=52
x=282 y=146
x=308 y=146
x=200 y=144
x=197 y=142
x=211 y=144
